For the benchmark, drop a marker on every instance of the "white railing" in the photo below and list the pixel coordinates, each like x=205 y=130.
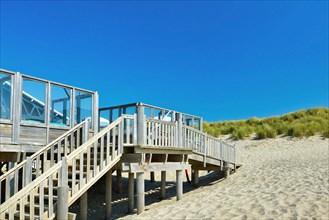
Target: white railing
x=81 y=169
x=160 y=133
x=22 y=174
x=207 y=145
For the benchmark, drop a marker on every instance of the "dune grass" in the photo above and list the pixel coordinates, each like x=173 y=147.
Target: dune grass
x=303 y=123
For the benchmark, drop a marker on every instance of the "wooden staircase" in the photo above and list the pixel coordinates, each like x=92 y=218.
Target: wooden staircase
x=78 y=170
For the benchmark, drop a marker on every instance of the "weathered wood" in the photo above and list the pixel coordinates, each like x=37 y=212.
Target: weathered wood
x=196 y=177
x=135 y=167
x=62 y=202
x=84 y=206
x=131 y=192
x=163 y=185
x=179 y=184
x=140 y=193
x=141 y=132
x=108 y=199
x=119 y=181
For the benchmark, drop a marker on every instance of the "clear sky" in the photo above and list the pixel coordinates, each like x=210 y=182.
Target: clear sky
x=222 y=60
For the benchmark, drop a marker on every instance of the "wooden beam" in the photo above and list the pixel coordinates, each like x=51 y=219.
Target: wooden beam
x=135 y=167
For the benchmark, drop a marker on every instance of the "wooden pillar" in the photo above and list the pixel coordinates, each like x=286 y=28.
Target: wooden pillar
x=131 y=192
x=179 y=184
x=163 y=185
x=84 y=206
x=227 y=169
x=108 y=192
x=196 y=178
x=62 y=203
x=141 y=129
x=140 y=193
x=119 y=181
x=152 y=176
x=63 y=192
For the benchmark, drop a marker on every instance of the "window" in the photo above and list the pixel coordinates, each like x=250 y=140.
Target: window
x=33 y=101
x=5 y=95
x=83 y=108
x=60 y=106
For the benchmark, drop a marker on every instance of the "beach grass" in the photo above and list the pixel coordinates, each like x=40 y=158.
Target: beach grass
x=303 y=123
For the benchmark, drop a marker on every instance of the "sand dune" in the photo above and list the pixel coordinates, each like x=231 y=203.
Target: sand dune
x=280 y=178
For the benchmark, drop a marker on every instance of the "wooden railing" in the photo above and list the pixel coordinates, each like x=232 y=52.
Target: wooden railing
x=160 y=133
x=22 y=174
x=79 y=170
x=207 y=145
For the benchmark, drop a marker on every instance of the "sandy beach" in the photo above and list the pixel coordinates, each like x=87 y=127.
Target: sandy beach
x=281 y=178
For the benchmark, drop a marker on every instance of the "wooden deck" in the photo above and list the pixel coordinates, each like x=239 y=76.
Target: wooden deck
x=60 y=164
x=60 y=173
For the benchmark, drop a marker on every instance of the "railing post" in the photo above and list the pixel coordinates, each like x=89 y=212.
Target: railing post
x=17 y=104
x=141 y=128
x=122 y=135
x=85 y=136
x=63 y=192
x=28 y=171
x=135 y=129
x=179 y=118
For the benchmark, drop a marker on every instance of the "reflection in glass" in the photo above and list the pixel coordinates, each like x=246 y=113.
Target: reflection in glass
x=60 y=106
x=33 y=101
x=5 y=94
x=83 y=103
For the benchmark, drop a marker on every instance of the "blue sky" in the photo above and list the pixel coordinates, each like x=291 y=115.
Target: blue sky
x=222 y=60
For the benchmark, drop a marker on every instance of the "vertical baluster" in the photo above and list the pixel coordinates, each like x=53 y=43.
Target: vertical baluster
x=108 y=147
x=128 y=130
x=37 y=164
x=41 y=200
x=113 y=141
x=32 y=204
x=74 y=170
x=78 y=138
x=102 y=153
x=59 y=151
x=95 y=157
x=81 y=170
x=50 y=193
x=21 y=208
x=15 y=181
x=65 y=146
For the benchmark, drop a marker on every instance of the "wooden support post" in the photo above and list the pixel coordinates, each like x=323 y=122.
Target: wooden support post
x=196 y=178
x=63 y=192
x=141 y=129
x=152 y=176
x=140 y=193
x=227 y=169
x=28 y=171
x=62 y=203
x=163 y=185
x=179 y=184
x=119 y=181
x=108 y=195
x=84 y=206
x=179 y=118
x=131 y=192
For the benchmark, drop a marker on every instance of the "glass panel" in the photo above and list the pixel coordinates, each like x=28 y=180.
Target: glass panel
x=104 y=119
x=33 y=101
x=197 y=124
x=60 y=106
x=83 y=109
x=5 y=95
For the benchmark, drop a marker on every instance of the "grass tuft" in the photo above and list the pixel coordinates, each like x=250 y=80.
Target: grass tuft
x=302 y=123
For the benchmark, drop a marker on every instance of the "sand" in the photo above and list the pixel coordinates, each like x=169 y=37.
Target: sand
x=281 y=178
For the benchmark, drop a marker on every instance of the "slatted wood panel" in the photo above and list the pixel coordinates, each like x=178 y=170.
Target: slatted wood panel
x=5 y=133
x=31 y=134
